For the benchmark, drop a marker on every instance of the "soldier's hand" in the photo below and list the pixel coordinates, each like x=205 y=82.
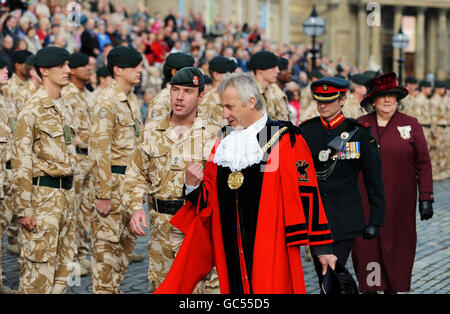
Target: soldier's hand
x=194 y=173
x=135 y=223
x=103 y=207
x=28 y=222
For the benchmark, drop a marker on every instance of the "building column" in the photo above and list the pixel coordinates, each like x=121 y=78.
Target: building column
x=252 y=9
x=227 y=10
x=443 y=60
x=420 y=44
x=398 y=15
x=431 y=47
x=363 y=43
x=375 y=48
x=285 y=21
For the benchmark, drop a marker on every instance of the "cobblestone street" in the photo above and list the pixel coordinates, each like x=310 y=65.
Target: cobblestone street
x=431 y=273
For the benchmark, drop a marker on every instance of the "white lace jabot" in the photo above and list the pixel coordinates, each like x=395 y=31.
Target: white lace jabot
x=240 y=149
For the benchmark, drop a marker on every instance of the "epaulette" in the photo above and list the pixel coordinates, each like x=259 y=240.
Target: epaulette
x=365 y=125
x=310 y=121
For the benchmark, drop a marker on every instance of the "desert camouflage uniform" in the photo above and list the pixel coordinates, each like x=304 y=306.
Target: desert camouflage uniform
x=42 y=147
x=114 y=134
x=24 y=94
x=447 y=162
x=309 y=112
x=352 y=108
x=275 y=102
x=439 y=122
x=212 y=108
x=5 y=134
x=160 y=104
x=158 y=168
x=8 y=220
x=81 y=103
x=407 y=105
x=422 y=111
x=12 y=89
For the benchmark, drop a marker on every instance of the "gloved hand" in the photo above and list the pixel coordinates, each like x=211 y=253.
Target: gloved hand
x=425 y=210
x=371 y=232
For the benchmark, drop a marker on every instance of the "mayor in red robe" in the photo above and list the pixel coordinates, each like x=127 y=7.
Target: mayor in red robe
x=252 y=234
x=386 y=263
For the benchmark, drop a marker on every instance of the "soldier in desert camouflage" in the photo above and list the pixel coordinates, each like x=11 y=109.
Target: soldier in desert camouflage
x=160 y=104
x=264 y=66
x=169 y=143
x=115 y=132
x=210 y=106
x=43 y=164
x=77 y=95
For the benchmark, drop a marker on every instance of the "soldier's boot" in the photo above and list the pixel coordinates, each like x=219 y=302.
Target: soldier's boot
x=13 y=248
x=7 y=290
x=136 y=258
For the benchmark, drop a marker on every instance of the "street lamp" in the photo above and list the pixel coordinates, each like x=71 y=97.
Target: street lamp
x=400 y=41
x=313 y=27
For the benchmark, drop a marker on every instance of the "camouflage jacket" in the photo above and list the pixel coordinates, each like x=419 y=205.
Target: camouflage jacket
x=421 y=109
x=43 y=145
x=81 y=103
x=24 y=95
x=275 y=102
x=12 y=89
x=5 y=134
x=160 y=104
x=352 y=108
x=440 y=111
x=212 y=108
x=159 y=162
x=115 y=131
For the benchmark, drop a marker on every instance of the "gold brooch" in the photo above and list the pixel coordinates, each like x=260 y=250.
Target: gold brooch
x=235 y=180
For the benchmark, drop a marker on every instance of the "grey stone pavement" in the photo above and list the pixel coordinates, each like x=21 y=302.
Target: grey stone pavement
x=431 y=273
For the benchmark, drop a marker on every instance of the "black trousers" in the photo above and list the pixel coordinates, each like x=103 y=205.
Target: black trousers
x=342 y=251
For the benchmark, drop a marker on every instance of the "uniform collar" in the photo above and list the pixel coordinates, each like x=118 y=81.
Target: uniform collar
x=164 y=123
x=119 y=92
x=333 y=123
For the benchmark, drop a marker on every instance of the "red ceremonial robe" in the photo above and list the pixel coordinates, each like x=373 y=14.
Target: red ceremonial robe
x=286 y=220
x=406 y=167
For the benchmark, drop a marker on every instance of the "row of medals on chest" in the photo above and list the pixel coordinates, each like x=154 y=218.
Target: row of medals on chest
x=352 y=153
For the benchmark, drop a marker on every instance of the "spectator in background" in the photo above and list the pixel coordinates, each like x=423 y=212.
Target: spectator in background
x=89 y=42
x=243 y=60
x=159 y=48
x=217 y=27
x=10 y=28
x=101 y=59
x=51 y=38
x=44 y=29
x=6 y=52
x=102 y=36
x=171 y=20
x=32 y=40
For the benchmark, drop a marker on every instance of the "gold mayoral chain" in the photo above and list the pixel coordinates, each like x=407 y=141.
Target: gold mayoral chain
x=236 y=178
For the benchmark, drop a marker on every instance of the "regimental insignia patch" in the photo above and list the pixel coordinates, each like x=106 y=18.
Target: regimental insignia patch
x=302 y=165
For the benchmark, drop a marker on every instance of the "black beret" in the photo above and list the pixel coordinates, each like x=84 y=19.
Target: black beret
x=263 y=60
x=78 y=59
x=439 y=84
x=411 y=80
x=124 y=57
x=221 y=64
x=50 y=56
x=20 y=56
x=179 y=60
x=103 y=72
x=30 y=61
x=424 y=83
x=207 y=79
x=3 y=62
x=359 y=79
x=283 y=63
x=329 y=88
x=189 y=76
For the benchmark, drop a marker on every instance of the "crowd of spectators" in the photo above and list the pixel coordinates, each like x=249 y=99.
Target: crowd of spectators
x=101 y=26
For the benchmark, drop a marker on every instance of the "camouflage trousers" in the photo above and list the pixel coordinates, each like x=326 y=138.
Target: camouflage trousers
x=49 y=249
x=439 y=149
x=112 y=244
x=84 y=204
x=429 y=138
x=164 y=242
x=8 y=221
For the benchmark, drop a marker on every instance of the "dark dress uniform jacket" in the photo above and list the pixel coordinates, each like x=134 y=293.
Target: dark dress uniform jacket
x=340 y=193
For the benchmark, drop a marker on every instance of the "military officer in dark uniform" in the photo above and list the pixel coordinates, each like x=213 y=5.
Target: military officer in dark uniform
x=341 y=148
